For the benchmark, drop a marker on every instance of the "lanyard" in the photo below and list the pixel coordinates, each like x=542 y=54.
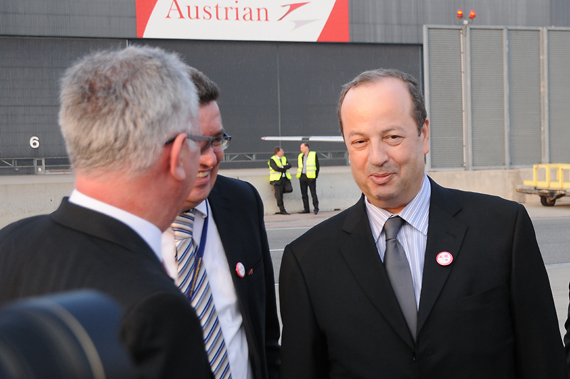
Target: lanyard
x=199 y=255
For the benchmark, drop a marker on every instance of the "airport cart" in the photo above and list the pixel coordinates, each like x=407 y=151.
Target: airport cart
x=549 y=181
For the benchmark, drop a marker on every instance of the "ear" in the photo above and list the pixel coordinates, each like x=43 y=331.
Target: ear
x=176 y=158
x=425 y=137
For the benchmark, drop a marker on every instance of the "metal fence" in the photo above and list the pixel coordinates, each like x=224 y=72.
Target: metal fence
x=264 y=157
x=30 y=166
x=61 y=165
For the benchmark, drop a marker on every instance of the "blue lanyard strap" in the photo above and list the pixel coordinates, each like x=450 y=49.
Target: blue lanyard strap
x=199 y=255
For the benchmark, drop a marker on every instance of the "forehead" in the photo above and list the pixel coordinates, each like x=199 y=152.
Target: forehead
x=211 y=119
x=387 y=97
x=381 y=89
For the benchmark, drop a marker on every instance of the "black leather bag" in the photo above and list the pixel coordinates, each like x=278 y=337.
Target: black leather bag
x=287 y=186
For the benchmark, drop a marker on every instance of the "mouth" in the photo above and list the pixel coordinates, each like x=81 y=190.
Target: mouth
x=203 y=174
x=381 y=178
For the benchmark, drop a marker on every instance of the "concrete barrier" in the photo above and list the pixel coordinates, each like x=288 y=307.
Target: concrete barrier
x=335 y=188
x=29 y=195
x=23 y=196
x=501 y=183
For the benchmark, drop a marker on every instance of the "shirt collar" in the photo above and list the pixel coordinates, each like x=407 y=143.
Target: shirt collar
x=415 y=213
x=145 y=229
x=202 y=208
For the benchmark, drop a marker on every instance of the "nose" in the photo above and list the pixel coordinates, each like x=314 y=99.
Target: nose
x=209 y=157
x=377 y=154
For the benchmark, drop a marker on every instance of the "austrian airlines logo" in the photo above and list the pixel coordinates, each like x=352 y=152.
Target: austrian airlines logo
x=298 y=23
x=292 y=7
x=254 y=20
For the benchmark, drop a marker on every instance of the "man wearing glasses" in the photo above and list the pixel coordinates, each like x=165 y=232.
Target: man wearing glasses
x=217 y=253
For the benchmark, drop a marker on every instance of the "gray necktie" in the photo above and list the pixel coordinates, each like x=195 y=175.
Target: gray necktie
x=399 y=273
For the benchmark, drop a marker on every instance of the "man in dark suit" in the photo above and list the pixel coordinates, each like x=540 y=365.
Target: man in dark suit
x=228 y=232
x=127 y=117
x=458 y=291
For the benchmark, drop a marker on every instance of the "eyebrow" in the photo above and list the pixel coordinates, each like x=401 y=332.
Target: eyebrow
x=352 y=134
x=219 y=133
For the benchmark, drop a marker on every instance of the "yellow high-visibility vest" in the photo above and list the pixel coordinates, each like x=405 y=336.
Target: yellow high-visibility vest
x=311 y=170
x=276 y=175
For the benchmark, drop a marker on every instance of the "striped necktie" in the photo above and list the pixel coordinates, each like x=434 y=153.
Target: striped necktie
x=201 y=298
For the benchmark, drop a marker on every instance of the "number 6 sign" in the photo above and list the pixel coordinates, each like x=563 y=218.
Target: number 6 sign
x=34 y=142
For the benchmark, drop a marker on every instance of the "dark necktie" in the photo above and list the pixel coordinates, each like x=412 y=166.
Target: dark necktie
x=399 y=273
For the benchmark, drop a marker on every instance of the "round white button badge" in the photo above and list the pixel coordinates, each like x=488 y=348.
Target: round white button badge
x=444 y=258
x=240 y=269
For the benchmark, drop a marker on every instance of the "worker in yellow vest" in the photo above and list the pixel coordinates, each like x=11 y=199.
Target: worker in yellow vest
x=278 y=175
x=307 y=172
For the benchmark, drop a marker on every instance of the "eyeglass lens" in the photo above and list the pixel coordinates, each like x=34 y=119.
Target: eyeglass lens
x=218 y=144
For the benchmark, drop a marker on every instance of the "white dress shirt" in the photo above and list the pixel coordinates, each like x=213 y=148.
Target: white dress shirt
x=412 y=236
x=221 y=285
x=145 y=229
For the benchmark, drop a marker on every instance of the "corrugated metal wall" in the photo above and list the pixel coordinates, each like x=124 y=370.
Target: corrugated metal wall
x=487 y=98
x=267 y=88
x=443 y=92
x=402 y=21
x=558 y=95
x=285 y=88
x=371 y=21
x=524 y=97
x=516 y=112
x=68 y=18
x=29 y=92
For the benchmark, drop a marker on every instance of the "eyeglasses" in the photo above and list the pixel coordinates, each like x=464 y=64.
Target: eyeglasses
x=218 y=143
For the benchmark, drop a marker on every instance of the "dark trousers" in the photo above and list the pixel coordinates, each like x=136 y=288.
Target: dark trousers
x=279 y=195
x=312 y=184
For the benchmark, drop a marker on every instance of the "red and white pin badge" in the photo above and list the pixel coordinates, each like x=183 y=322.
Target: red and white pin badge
x=240 y=269
x=444 y=258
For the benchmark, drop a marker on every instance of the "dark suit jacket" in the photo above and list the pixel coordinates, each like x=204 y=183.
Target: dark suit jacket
x=489 y=314
x=238 y=212
x=76 y=248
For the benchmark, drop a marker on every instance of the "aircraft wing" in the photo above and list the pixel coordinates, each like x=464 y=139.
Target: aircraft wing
x=304 y=138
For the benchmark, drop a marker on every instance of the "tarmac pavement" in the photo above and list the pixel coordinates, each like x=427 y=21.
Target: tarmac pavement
x=559 y=274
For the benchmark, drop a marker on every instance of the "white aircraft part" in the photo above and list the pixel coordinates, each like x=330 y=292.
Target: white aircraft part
x=303 y=138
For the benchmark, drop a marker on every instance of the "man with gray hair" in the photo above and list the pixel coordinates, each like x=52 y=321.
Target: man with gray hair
x=130 y=123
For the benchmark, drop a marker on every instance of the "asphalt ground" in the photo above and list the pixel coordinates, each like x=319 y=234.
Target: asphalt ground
x=552 y=226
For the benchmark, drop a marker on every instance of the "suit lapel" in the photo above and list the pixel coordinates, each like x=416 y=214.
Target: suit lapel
x=230 y=235
x=220 y=203
x=224 y=217
x=445 y=233
x=361 y=255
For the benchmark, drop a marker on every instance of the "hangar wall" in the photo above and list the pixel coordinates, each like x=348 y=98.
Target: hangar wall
x=371 y=21
x=268 y=88
x=497 y=96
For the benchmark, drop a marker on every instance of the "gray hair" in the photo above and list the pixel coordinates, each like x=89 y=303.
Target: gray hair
x=119 y=107
x=419 y=113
